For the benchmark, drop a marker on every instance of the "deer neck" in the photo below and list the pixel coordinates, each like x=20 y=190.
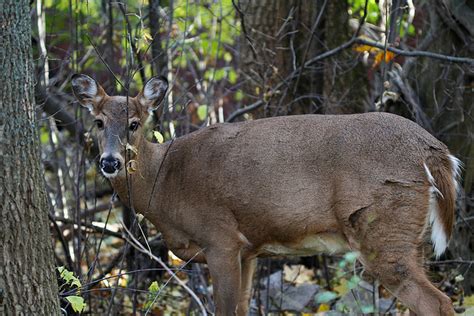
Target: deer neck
x=141 y=181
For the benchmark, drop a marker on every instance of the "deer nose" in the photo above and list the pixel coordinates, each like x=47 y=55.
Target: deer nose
x=109 y=164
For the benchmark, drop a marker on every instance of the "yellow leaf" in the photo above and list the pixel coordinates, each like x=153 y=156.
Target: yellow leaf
x=132 y=148
x=297 y=274
x=132 y=166
x=342 y=287
x=324 y=308
x=158 y=136
x=469 y=300
x=364 y=48
x=175 y=261
x=379 y=57
x=147 y=37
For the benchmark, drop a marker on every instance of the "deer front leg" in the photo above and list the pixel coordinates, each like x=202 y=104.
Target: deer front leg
x=248 y=269
x=224 y=266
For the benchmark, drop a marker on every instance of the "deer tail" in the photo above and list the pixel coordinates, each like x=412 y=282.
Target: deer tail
x=443 y=172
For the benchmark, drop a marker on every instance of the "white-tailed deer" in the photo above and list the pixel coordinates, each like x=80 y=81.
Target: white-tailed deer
x=297 y=185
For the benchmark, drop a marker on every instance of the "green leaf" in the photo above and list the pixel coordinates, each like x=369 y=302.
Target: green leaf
x=77 y=303
x=202 y=112
x=68 y=276
x=65 y=274
x=239 y=95
x=232 y=76
x=154 y=287
x=227 y=57
x=353 y=282
x=75 y=281
x=325 y=297
x=159 y=137
x=351 y=256
x=368 y=309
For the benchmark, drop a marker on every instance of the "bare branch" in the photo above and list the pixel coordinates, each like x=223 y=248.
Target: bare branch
x=417 y=53
x=54 y=106
x=95 y=228
x=334 y=51
x=244 y=29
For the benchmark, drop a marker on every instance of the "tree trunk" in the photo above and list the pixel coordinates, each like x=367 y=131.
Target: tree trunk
x=28 y=284
x=345 y=79
x=158 y=54
x=274 y=45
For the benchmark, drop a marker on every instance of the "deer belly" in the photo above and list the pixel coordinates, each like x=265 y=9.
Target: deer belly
x=329 y=243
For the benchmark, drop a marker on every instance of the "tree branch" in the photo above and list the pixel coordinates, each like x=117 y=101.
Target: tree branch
x=334 y=51
x=97 y=229
x=54 y=106
x=418 y=53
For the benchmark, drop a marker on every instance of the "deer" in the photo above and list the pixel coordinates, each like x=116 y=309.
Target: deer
x=226 y=194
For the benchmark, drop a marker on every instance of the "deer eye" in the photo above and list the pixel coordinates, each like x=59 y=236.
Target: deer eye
x=99 y=124
x=133 y=126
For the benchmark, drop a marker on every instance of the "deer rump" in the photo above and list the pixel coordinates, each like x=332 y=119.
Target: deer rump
x=302 y=185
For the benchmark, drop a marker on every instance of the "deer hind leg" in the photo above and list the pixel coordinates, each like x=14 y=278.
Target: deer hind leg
x=248 y=269
x=422 y=297
x=391 y=254
x=406 y=279
x=388 y=235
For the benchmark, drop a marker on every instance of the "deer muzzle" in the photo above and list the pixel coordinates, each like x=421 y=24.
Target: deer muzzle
x=110 y=166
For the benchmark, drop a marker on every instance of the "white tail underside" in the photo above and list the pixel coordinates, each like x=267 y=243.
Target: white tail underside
x=439 y=237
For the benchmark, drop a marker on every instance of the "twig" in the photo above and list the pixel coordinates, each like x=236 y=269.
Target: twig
x=132 y=43
x=95 y=228
x=137 y=245
x=313 y=30
x=445 y=262
x=244 y=110
x=244 y=29
x=104 y=62
x=62 y=241
x=54 y=107
x=417 y=53
x=99 y=208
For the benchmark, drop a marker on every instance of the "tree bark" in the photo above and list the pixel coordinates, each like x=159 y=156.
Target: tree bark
x=28 y=284
x=345 y=79
x=274 y=45
x=158 y=54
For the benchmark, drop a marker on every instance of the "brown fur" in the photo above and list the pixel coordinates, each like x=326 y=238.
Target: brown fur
x=233 y=192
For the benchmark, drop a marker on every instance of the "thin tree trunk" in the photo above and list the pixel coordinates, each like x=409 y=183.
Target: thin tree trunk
x=110 y=57
x=345 y=79
x=159 y=60
x=28 y=284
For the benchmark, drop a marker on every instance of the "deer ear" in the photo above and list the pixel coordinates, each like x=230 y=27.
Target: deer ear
x=153 y=93
x=87 y=91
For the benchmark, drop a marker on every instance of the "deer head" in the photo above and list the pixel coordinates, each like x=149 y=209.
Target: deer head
x=119 y=120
